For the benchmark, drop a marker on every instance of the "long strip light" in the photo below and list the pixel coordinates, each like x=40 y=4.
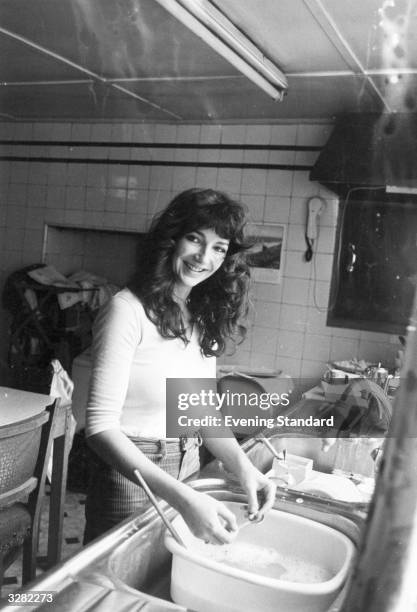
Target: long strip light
x=209 y=24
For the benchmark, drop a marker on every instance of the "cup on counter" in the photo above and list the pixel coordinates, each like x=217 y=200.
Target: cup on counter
x=293 y=470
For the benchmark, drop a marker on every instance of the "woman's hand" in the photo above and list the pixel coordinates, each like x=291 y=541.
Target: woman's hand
x=259 y=488
x=253 y=482
x=208 y=518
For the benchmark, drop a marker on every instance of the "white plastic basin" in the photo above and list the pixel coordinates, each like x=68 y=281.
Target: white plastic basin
x=265 y=560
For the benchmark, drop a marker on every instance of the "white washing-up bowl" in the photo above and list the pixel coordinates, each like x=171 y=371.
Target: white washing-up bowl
x=265 y=559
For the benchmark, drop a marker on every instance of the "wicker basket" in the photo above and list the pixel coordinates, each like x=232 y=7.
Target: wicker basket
x=19 y=448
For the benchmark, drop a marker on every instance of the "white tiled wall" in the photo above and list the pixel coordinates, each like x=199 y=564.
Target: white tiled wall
x=288 y=326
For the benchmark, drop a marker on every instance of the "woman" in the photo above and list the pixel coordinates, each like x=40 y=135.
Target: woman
x=184 y=305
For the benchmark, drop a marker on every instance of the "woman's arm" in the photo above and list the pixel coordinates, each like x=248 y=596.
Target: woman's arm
x=116 y=449
x=235 y=460
x=207 y=518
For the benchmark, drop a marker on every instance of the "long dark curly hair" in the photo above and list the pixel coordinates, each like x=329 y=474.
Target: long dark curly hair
x=218 y=305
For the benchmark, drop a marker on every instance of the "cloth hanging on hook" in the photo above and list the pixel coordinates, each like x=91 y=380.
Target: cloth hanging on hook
x=61 y=386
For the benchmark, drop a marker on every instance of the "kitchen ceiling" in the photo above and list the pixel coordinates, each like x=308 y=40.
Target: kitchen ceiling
x=132 y=60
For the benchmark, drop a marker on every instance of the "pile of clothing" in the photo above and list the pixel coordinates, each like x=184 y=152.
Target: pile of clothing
x=52 y=317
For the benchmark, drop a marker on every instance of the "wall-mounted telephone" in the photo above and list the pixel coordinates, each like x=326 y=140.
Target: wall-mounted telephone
x=315 y=207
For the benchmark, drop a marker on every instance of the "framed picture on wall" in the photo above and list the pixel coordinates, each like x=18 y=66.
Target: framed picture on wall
x=265 y=257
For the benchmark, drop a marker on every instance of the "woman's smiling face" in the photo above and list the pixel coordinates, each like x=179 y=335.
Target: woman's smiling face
x=197 y=256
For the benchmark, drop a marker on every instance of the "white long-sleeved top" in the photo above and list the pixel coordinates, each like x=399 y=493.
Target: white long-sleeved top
x=130 y=364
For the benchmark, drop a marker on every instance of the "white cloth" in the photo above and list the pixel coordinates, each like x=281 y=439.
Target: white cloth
x=130 y=364
x=48 y=275
x=62 y=387
x=61 y=384
x=98 y=290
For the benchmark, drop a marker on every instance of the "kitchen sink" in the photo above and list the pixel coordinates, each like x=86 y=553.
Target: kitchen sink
x=142 y=563
x=130 y=564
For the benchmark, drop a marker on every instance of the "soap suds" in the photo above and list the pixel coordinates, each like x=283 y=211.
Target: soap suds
x=265 y=561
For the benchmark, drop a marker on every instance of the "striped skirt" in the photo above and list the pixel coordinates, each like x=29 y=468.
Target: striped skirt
x=111 y=497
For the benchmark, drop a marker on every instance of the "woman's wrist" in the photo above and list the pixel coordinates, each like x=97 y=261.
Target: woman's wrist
x=242 y=467
x=228 y=451
x=180 y=497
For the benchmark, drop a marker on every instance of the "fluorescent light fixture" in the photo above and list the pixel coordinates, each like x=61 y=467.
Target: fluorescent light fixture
x=207 y=22
x=403 y=189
